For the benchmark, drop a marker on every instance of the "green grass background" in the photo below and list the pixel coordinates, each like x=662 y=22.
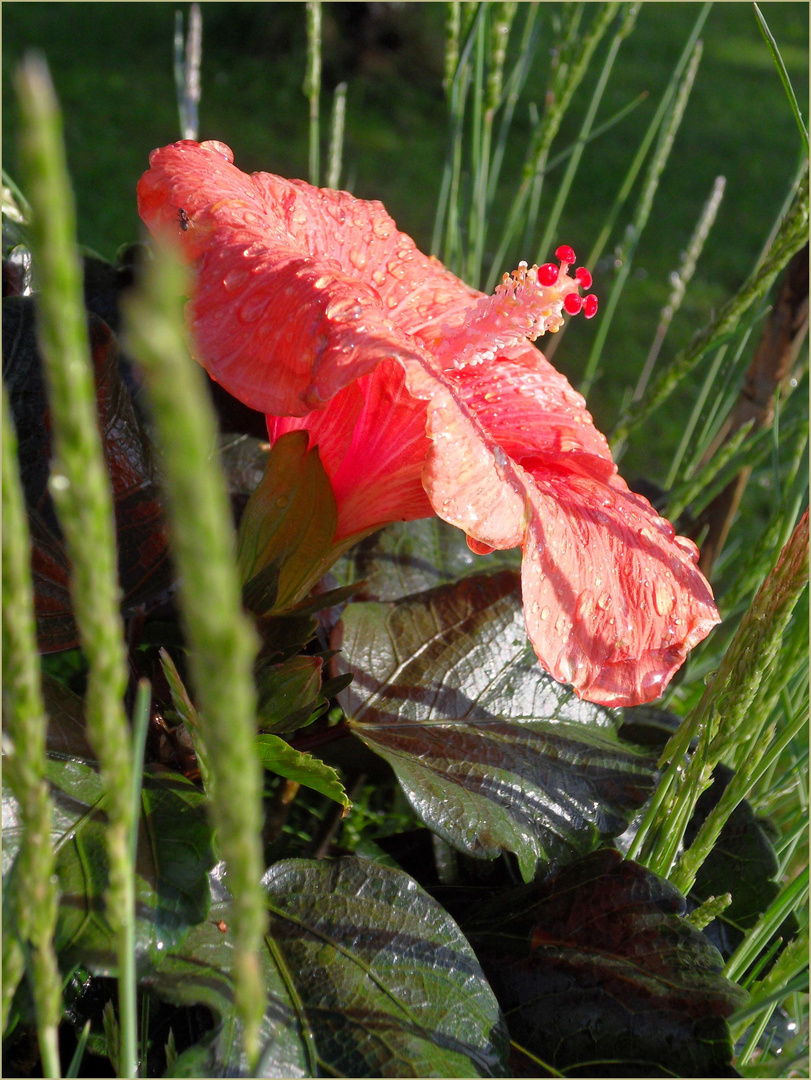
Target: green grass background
x=112 y=68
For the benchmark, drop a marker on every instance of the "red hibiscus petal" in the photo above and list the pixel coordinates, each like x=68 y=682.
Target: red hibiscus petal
x=529 y=408
x=613 y=599
x=372 y=443
x=321 y=282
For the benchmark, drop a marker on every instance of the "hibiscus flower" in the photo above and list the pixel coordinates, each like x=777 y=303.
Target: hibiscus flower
x=426 y=397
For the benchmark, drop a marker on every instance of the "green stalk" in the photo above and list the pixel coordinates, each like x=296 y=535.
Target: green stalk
x=774 y=538
x=790 y=898
x=773 y=987
x=635 y=167
x=80 y=486
x=747 y=775
x=140 y=726
x=221 y=643
x=515 y=84
x=553 y=219
x=781 y=70
x=453 y=27
x=641 y=214
x=790 y=236
x=312 y=83
x=188 y=57
x=336 y=136
x=681 y=280
x=25 y=769
x=499 y=34
x=479 y=154
x=723 y=707
x=568 y=77
x=688 y=433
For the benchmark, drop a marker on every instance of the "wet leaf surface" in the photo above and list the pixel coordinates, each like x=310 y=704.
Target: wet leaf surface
x=414 y=556
x=599 y=975
x=493 y=754
x=366 y=976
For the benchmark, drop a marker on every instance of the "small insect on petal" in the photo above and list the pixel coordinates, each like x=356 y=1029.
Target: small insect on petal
x=183 y=219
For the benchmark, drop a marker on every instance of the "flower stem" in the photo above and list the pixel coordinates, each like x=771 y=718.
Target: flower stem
x=641 y=214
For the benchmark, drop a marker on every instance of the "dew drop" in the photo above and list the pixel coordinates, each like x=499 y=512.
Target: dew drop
x=254 y=306
x=663 y=599
x=378 y=277
x=358 y=258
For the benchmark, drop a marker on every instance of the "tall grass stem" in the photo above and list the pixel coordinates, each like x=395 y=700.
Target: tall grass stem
x=33 y=894
x=221 y=643
x=633 y=233
x=312 y=85
x=80 y=486
x=790 y=235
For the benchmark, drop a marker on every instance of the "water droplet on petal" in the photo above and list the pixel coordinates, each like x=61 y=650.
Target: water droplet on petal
x=235 y=279
x=663 y=598
x=358 y=258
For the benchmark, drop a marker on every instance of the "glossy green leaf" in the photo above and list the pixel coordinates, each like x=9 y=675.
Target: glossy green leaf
x=413 y=556
x=279 y=757
x=493 y=754
x=599 y=974
x=366 y=976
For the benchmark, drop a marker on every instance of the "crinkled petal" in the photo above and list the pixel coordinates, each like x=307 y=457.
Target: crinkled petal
x=299 y=290
x=613 y=599
x=528 y=407
x=372 y=442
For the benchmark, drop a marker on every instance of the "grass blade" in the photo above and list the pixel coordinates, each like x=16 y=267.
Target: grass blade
x=312 y=84
x=719 y=719
x=585 y=134
x=781 y=69
x=336 y=136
